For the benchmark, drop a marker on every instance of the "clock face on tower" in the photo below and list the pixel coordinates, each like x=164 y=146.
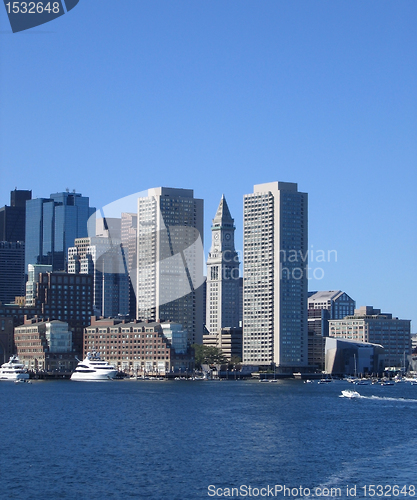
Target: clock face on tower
x=227 y=236
x=216 y=236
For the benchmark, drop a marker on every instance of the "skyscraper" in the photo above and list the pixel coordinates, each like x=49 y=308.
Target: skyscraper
x=129 y=243
x=52 y=224
x=275 y=276
x=12 y=270
x=102 y=258
x=12 y=219
x=222 y=303
x=170 y=259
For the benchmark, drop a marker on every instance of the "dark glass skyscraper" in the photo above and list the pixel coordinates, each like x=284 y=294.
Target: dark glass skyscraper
x=52 y=224
x=12 y=219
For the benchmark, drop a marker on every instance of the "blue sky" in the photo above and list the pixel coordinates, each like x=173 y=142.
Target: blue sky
x=120 y=96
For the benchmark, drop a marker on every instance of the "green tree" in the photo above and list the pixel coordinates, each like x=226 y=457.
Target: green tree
x=208 y=355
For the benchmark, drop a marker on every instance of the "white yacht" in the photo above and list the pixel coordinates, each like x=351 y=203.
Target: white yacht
x=94 y=368
x=14 y=369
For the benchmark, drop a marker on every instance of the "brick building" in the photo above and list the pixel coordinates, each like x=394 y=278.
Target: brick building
x=135 y=347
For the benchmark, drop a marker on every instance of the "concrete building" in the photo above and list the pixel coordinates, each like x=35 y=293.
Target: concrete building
x=129 y=235
x=222 y=286
x=372 y=326
x=229 y=340
x=52 y=224
x=138 y=347
x=170 y=259
x=323 y=306
x=12 y=270
x=45 y=346
x=350 y=357
x=275 y=277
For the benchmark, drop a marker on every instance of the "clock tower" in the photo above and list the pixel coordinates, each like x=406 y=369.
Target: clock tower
x=222 y=305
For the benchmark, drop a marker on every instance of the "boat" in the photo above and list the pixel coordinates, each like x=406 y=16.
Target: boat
x=325 y=381
x=93 y=367
x=14 y=369
x=350 y=394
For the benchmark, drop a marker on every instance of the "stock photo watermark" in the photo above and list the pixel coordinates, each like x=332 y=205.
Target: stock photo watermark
x=26 y=15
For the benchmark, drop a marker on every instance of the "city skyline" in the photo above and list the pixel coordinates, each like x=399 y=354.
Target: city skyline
x=219 y=97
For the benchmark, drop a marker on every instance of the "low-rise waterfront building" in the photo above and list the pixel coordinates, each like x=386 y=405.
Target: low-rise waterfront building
x=350 y=357
x=139 y=347
x=372 y=326
x=229 y=340
x=45 y=345
x=323 y=306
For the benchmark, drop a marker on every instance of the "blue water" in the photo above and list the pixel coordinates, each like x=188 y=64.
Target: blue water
x=171 y=440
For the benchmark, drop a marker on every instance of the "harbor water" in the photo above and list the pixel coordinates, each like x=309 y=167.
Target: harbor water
x=205 y=439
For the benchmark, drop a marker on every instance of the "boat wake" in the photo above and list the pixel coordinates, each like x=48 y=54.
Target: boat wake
x=386 y=398
x=379 y=398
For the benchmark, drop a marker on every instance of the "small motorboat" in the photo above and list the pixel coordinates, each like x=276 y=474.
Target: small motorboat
x=350 y=394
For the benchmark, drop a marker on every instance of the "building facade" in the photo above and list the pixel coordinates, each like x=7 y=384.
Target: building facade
x=323 y=306
x=138 y=347
x=170 y=259
x=103 y=259
x=52 y=224
x=229 y=340
x=350 y=357
x=7 y=347
x=370 y=325
x=337 y=303
x=45 y=346
x=66 y=297
x=129 y=235
x=275 y=276
x=12 y=218
x=222 y=286
x=12 y=270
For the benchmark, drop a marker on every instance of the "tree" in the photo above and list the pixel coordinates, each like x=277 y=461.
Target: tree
x=208 y=355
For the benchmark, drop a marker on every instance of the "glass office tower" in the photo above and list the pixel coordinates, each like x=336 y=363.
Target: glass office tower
x=52 y=224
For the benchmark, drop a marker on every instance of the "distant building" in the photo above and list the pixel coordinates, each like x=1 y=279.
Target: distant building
x=370 y=325
x=169 y=259
x=222 y=285
x=275 y=277
x=323 y=306
x=129 y=231
x=52 y=224
x=12 y=270
x=229 y=340
x=336 y=302
x=7 y=348
x=12 y=218
x=45 y=346
x=414 y=343
x=103 y=258
x=34 y=271
x=17 y=313
x=350 y=357
x=139 y=347
x=66 y=297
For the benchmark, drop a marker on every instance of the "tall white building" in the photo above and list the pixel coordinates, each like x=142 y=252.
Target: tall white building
x=222 y=302
x=170 y=259
x=275 y=267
